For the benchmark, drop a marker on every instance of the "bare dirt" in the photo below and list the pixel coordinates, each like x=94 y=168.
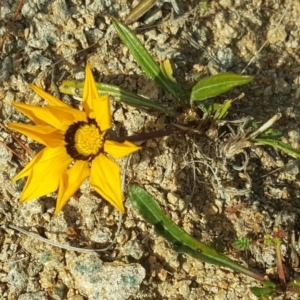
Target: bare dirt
x=53 y=40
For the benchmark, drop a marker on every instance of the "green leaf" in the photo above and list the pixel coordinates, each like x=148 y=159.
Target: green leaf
x=222 y=111
x=217 y=109
x=75 y=88
x=179 y=239
x=216 y=85
x=145 y=61
x=278 y=145
x=268 y=289
x=209 y=108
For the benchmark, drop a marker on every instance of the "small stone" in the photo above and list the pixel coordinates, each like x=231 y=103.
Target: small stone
x=226 y=57
x=276 y=35
x=113 y=281
x=6 y=68
x=99 y=236
x=292 y=168
x=41 y=295
x=282 y=87
x=17 y=278
x=294 y=138
x=173 y=199
x=269 y=257
x=162 y=274
x=29 y=10
x=133 y=249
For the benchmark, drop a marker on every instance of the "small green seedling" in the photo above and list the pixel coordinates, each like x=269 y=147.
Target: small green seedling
x=242 y=243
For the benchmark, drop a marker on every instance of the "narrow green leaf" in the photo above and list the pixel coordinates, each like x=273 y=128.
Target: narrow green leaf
x=259 y=292
x=217 y=85
x=75 y=88
x=139 y=10
x=268 y=289
x=209 y=108
x=179 y=239
x=223 y=109
x=278 y=145
x=145 y=61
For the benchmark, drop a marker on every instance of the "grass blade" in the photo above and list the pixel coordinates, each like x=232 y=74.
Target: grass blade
x=145 y=61
x=179 y=239
x=75 y=88
x=278 y=145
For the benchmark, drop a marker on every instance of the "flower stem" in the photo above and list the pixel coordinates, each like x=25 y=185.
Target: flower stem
x=146 y=136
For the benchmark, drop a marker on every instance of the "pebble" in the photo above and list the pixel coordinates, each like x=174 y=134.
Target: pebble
x=282 y=87
x=276 y=35
x=113 y=281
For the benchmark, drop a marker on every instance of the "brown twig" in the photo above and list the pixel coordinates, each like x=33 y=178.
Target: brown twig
x=11 y=24
x=280 y=269
x=146 y=136
x=11 y=150
x=29 y=151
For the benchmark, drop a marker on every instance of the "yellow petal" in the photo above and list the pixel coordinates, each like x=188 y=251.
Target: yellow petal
x=118 y=150
x=48 y=97
x=42 y=115
x=26 y=170
x=96 y=107
x=101 y=112
x=45 y=135
x=90 y=92
x=29 y=112
x=67 y=115
x=105 y=179
x=70 y=183
x=44 y=175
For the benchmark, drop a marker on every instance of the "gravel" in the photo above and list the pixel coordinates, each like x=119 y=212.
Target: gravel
x=53 y=40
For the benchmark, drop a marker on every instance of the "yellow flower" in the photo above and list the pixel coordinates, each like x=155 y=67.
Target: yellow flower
x=76 y=147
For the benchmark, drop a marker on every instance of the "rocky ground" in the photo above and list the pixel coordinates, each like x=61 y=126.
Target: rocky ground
x=53 y=40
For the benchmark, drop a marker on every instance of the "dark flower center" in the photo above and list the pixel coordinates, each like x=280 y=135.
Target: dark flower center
x=84 y=140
